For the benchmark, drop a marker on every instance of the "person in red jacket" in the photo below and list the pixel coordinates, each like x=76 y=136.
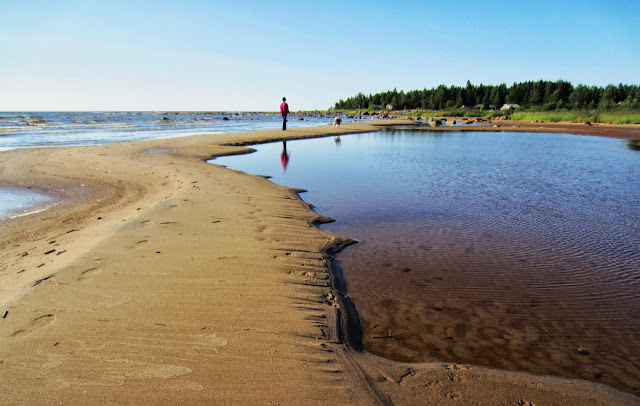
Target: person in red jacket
x=284 y=112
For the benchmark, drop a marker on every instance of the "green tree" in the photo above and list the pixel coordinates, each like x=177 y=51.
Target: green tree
x=539 y=95
x=499 y=95
x=579 y=98
x=536 y=95
x=608 y=99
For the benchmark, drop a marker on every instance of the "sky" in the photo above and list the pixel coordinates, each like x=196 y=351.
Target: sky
x=86 y=55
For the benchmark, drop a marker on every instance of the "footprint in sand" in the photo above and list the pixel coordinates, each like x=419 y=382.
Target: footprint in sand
x=37 y=323
x=139 y=244
x=112 y=302
x=212 y=341
x=89 y=273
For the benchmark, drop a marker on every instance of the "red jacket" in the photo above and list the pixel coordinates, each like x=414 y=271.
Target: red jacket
x=284 y=109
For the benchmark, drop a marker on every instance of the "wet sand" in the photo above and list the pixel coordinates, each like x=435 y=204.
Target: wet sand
x=163 y=279
x=627 y=131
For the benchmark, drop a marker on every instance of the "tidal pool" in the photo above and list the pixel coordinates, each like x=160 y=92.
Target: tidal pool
x=16 y=202
x=509 y=250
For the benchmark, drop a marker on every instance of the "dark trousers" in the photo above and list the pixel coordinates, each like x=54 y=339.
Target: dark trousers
x=284 y=122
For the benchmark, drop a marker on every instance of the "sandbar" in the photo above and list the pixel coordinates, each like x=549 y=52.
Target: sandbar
x=163 y=279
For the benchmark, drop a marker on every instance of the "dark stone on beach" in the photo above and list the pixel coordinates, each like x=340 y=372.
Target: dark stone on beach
x=225 y=118
x=300 y=118
x=166 y=118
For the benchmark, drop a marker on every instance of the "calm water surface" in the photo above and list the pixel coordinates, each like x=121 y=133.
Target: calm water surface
x=17 y=202
x=511 y=250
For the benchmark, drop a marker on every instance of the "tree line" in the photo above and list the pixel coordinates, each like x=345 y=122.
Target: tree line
x=541 y=95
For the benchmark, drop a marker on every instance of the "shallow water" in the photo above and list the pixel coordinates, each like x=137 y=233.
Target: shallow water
x=18 y=202
x=50 y=129
x=55 y=129
x=511 y=250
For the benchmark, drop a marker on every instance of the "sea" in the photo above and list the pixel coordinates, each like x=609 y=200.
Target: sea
x=56 y=129
x=52 y=129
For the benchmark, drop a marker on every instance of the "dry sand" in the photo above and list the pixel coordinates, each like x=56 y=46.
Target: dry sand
x=162 y=279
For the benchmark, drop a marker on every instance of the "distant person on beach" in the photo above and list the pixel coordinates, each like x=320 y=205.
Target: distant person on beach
x=284 y=112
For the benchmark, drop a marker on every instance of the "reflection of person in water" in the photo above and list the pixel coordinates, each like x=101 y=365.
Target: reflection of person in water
x=284 y=157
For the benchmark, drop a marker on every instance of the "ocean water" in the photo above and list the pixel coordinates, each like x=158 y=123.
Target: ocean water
x=51 y=129
x=518 y=251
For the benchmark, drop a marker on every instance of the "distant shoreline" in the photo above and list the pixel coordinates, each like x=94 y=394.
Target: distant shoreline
x=626 y=131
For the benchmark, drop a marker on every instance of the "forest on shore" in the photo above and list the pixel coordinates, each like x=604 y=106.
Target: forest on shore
x=530 y=96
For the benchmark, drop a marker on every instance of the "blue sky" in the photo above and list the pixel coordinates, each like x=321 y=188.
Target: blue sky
x=246 y=55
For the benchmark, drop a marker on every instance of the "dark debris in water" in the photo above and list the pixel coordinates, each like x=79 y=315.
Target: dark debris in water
x=633 y=145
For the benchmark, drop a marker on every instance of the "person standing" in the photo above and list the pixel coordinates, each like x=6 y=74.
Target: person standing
x=284 y=112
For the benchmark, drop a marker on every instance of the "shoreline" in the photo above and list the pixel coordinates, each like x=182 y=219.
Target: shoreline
x=81 y=313
x=624 y=131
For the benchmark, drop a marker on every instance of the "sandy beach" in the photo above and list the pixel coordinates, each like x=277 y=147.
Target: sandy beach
x=159 y=278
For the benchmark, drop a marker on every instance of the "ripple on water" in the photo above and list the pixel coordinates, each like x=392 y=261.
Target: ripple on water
x=516 y=251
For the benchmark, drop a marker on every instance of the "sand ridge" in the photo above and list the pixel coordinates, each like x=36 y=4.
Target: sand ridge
x=162 y=279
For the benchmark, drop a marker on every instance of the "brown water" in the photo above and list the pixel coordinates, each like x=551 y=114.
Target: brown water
x=514 y=251
x=493 y=299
